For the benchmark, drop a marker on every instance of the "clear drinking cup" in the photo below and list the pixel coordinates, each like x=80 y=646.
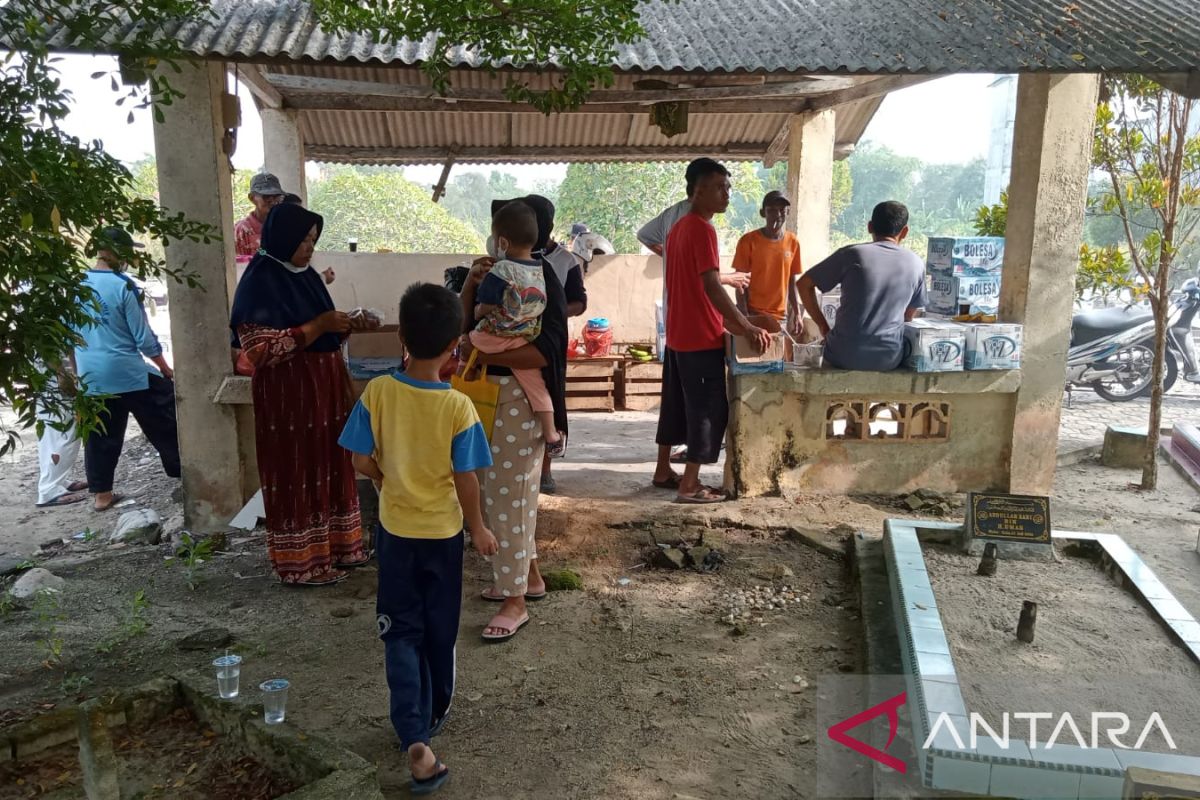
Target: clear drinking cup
x=274 y=700
x=229 y=670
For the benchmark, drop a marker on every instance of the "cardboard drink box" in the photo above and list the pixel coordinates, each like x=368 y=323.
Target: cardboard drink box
x=934 y=345
x=948 y=292
x=739 y=351
x=830 y=303
x=370 y=354
x=971 y=256
x=994 y=345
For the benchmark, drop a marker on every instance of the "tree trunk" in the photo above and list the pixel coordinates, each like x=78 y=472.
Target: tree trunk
x=1161 y=306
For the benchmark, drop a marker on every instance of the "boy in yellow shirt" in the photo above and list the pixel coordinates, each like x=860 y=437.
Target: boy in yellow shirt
x=422 y=441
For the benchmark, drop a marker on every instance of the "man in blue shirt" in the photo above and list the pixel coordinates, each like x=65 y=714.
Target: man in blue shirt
x=883 y=286
x=111 y=361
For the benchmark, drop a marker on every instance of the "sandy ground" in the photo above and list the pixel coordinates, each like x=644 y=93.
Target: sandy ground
x=622 y=691
x=1095 y=648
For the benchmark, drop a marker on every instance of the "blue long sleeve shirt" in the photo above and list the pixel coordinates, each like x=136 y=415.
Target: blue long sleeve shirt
x=111 y=359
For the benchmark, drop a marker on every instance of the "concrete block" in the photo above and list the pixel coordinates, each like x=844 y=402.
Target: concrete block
x=930 y=640
x=1162 y=762
x=1100 y=787
x=1011 y=781
x=43 y=732
x=943 y=698
x=1124 y=447
x=1141 y=782
x=960 y=775
x=1099 y=759
x=96 y=756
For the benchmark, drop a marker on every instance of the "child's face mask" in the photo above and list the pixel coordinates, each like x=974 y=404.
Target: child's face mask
x=496 y=248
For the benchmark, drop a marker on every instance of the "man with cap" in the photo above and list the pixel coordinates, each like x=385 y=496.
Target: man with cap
x=111 y=360
x=265 y=194
x=772 y=257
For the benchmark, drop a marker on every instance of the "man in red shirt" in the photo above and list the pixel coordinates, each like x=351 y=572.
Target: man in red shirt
x=695 y=407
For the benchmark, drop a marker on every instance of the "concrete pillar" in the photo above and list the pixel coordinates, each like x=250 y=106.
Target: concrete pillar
x=283 y=149
x=1052 y=148
x=194 y=178
x=810 y=181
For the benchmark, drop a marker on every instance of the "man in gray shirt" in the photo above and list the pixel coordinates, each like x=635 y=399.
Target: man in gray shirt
x=883 y=286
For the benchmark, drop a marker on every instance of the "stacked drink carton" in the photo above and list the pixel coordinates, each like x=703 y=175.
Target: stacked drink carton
x=934 y=345
x=964 y=272
x=995 y=345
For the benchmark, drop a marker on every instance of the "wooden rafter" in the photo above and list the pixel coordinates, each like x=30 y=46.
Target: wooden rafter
x=264 y=93
x=352 y=102
x=794 y=88
x=468 y=155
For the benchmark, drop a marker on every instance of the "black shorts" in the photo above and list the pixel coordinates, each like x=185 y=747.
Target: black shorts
x=695 y=403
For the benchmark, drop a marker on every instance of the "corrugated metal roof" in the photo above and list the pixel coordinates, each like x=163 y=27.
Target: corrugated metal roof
x=797 y=36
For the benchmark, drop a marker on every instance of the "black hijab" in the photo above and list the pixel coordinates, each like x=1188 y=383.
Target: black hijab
x=271 y=295
x=552 y=341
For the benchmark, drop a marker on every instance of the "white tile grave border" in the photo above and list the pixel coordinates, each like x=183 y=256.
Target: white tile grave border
x=1061 y=771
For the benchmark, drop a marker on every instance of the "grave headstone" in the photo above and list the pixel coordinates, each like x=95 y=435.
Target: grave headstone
x=1019 y=525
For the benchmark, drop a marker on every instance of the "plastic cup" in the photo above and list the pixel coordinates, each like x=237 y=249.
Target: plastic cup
x=229 y=670
x=274 y=700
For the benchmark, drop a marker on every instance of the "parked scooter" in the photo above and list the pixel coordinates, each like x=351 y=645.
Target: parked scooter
x=1112 y=349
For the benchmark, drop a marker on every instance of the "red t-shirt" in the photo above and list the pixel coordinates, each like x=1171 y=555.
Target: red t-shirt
x=693 y=322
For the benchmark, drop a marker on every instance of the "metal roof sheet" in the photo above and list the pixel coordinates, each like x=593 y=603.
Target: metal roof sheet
x=797 y=36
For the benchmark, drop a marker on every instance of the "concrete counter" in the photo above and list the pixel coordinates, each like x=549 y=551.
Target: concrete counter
x=838 y=431
x=839 y=381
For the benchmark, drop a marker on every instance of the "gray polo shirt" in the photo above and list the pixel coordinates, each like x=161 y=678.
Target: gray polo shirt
x=880 y=281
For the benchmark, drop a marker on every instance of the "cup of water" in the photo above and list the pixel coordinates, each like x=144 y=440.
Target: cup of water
x=229 y=670
x=274 y=700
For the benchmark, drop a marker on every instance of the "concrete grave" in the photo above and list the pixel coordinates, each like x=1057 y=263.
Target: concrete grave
x=1124 y=447
x=315 y=768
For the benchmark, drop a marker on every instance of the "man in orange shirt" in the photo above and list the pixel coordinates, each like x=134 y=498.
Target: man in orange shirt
x=772 y=257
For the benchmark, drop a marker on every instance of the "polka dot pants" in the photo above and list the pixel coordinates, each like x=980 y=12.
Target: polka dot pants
x=510 y=487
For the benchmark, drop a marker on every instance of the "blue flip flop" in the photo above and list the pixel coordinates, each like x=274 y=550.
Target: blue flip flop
x=431 y=784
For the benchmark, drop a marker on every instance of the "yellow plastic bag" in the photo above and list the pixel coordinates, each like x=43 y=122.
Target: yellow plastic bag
x=483 y=393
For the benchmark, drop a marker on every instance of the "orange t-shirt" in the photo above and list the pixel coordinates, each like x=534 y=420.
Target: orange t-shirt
x=772 y=264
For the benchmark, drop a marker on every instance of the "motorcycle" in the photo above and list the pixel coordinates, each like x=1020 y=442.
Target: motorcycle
x=1112 y=349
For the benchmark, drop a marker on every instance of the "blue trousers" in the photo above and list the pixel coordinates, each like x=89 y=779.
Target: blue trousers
x=417 y=608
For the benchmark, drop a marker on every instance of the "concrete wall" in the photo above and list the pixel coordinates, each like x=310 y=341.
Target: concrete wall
x=778 y=441
x=620 y=287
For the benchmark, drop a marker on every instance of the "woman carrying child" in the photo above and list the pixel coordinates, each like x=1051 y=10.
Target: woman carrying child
x=510 y=486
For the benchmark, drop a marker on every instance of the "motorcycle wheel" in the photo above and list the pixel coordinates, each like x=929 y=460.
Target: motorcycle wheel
x=1141 y=359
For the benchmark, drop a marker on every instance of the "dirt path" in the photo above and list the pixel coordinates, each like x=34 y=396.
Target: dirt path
x=636 y=691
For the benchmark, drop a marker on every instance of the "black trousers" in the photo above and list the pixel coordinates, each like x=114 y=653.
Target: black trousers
x=695 y=403
x=417 y=608
x=154 y=410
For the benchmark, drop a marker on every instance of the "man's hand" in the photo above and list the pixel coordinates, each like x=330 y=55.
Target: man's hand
x=167 y=372
x=760 y=338
x=484 y=542
x=480 y=267
x=738 y=280
x=329 y=275
x=795 y=326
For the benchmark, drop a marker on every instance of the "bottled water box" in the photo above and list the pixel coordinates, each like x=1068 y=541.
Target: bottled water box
x=948 y=293
x=992 y=346
x=968 y=255
x=934 y=345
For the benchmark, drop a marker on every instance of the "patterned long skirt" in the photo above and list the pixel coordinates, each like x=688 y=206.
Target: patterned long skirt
x=309 y=488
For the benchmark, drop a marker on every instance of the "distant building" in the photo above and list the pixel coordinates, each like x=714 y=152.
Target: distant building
x=1004 y=114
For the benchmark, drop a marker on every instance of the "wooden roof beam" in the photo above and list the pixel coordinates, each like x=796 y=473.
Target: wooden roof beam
x=868 y=90
x=468 y=155
x=264 y=93
x=289 y=84
x=353 y=102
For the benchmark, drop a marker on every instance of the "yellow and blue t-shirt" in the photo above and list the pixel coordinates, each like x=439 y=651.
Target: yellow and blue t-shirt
x=420 y=433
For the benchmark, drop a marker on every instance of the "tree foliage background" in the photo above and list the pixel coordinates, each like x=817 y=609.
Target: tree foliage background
x=56 y=190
